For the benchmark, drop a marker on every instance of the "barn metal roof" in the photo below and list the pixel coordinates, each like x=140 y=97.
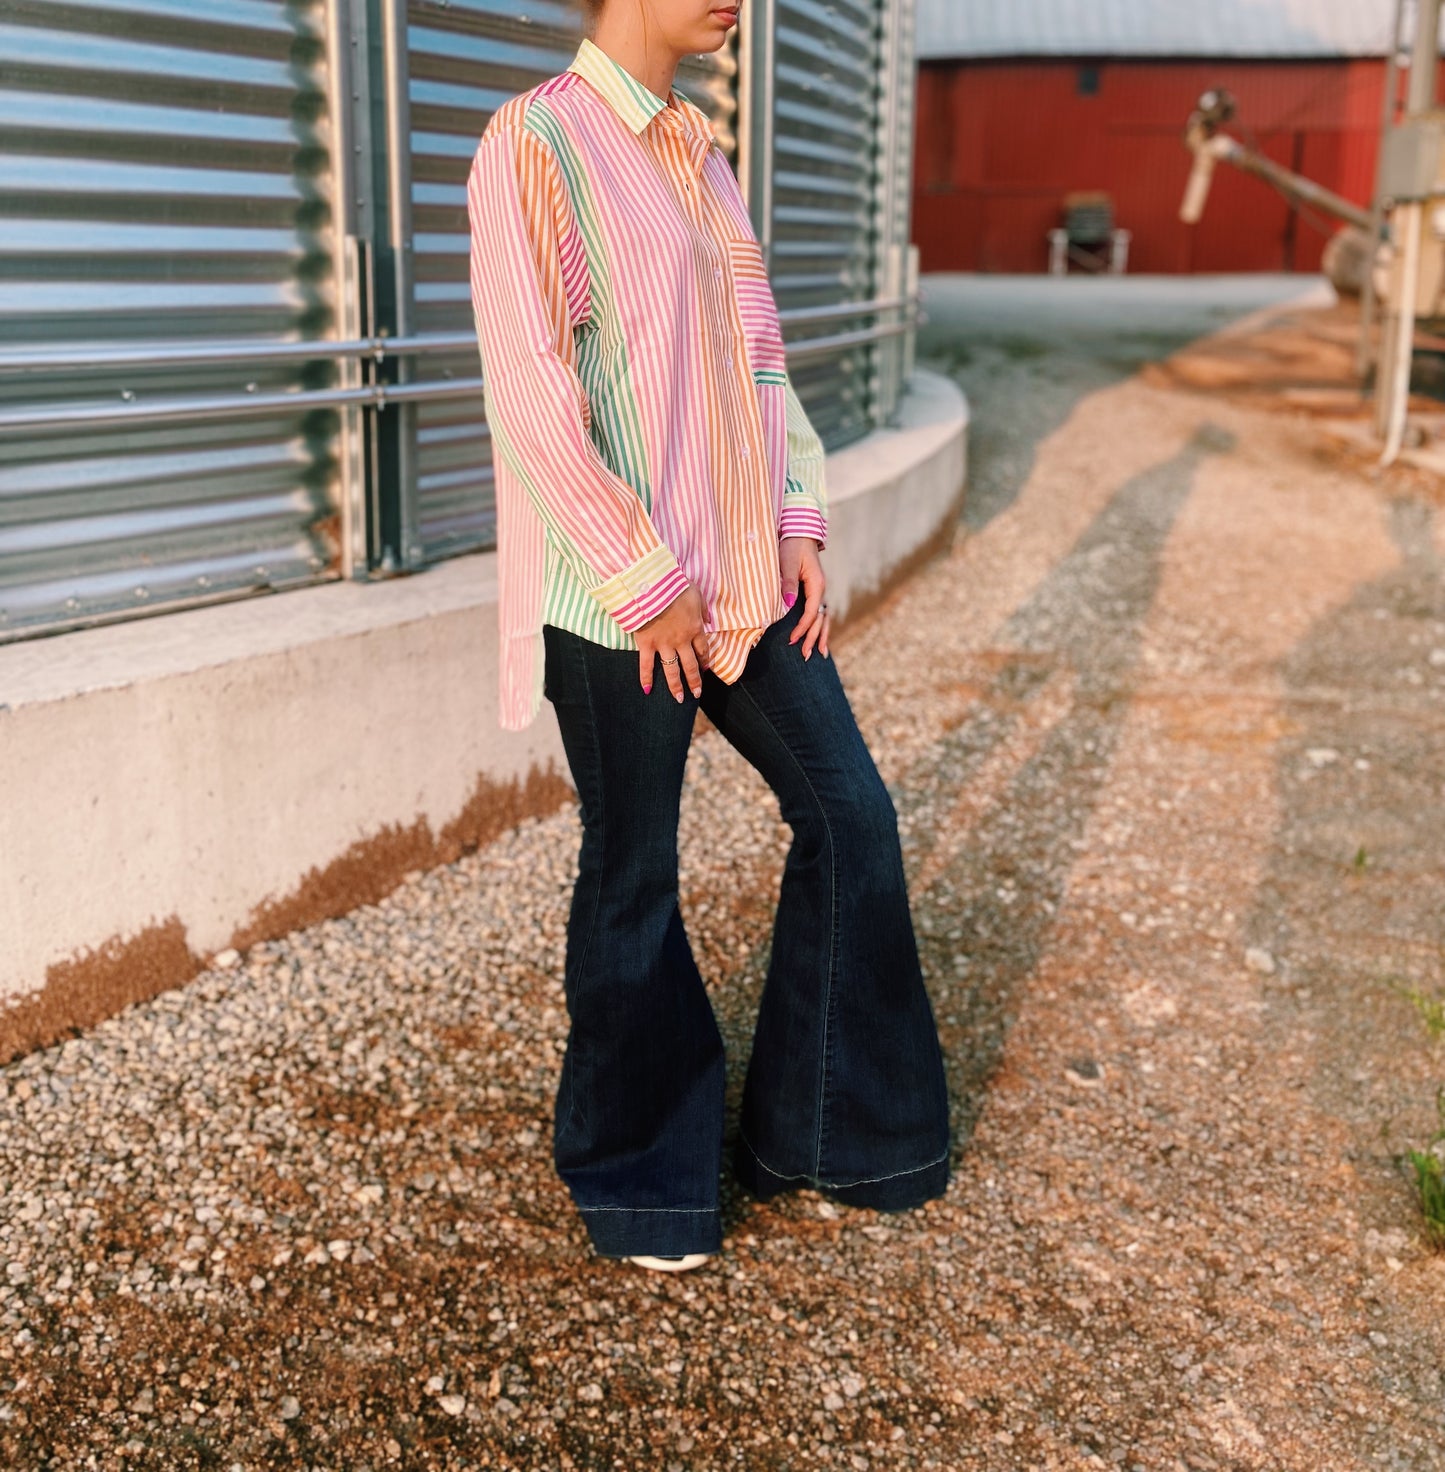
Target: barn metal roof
x=1180 y=28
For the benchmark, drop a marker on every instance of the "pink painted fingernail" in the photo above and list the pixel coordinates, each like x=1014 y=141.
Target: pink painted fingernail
x=647 y=689
x=789 y=599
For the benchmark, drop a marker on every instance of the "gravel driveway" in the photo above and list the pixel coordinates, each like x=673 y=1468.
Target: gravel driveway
x=1166 y=732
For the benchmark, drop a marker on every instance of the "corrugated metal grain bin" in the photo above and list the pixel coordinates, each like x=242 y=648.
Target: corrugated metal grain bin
x=167 y=205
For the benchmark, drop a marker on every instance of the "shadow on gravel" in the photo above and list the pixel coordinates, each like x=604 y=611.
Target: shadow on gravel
x=1351 y=907
x=997 y=884
x=1024 y=381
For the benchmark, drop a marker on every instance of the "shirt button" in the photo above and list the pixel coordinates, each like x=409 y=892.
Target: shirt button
x=744 y=452
x=752 y=536
x=717 y=272
x=729 y=360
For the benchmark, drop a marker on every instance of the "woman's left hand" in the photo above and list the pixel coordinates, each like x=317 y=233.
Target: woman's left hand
x=799 y=563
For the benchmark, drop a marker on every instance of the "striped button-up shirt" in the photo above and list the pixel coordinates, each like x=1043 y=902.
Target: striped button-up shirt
x=645 y=433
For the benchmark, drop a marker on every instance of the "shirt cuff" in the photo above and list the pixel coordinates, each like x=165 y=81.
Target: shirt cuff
x=640 y=592
x=802 y=521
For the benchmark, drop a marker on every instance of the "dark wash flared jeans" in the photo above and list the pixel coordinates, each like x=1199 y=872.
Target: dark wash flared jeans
x=845 y=1089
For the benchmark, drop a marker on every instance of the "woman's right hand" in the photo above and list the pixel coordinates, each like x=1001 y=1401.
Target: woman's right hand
x=677 y=630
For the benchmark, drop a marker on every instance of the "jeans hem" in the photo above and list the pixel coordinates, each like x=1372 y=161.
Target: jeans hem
x=900 y=1191
x=624 y=1231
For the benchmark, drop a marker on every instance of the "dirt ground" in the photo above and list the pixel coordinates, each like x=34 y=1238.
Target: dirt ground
x=1165 y=728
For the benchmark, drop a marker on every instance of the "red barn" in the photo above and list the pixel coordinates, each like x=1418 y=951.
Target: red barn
x=1023 y=103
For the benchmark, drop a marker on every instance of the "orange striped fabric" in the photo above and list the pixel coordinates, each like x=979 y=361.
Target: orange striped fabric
x=645 y=432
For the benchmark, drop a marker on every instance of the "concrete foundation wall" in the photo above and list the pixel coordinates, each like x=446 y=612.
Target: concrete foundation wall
x=201 y=780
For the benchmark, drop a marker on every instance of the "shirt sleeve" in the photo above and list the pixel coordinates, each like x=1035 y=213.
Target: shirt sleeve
x=537 y=408
x=805 y=496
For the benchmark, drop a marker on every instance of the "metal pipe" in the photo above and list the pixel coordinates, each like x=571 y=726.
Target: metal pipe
x=812 y=347
x=1228 y=150
x=797 y=315
x=1413 y=220
x=1196 y=192
x=1393 y=395
x=1424 y=58
x=379 y=395
x=229 y=406
x=181 y=354
x=347 y=258
x=396 y=94
x=398 y=462
x=757 y=49
x=1364 y=356
x=887 y=262
x=910 y=343
x=79 y=358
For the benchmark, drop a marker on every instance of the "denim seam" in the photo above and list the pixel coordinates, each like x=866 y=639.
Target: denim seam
x=841 y=1185
x=602 y=841
x=753 y=1151
x=826 y=1060
x=893 y=1176
x=645 y=1210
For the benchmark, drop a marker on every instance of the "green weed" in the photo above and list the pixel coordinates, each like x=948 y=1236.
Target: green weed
x=1429 y=1167
x=1430 y=1182
x=1431 y=1009
x=1021 y=349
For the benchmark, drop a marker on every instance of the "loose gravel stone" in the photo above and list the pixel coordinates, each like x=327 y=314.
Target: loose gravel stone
x=1258 y=959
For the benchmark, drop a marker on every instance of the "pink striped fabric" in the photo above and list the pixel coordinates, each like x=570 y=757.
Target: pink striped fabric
x=645 y=432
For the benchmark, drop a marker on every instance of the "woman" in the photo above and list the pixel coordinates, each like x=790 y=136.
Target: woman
x=660 y=504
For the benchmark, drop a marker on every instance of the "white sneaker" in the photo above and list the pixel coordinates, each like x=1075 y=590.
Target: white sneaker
x=672 y=1264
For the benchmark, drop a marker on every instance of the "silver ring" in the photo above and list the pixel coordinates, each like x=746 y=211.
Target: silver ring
x=673 y=660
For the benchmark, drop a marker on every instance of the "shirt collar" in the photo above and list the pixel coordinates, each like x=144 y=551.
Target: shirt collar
x=635 y=104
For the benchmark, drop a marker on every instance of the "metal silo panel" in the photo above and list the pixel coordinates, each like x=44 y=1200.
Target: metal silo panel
x=165 y=176
x=825 y=165
x=464 y=59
